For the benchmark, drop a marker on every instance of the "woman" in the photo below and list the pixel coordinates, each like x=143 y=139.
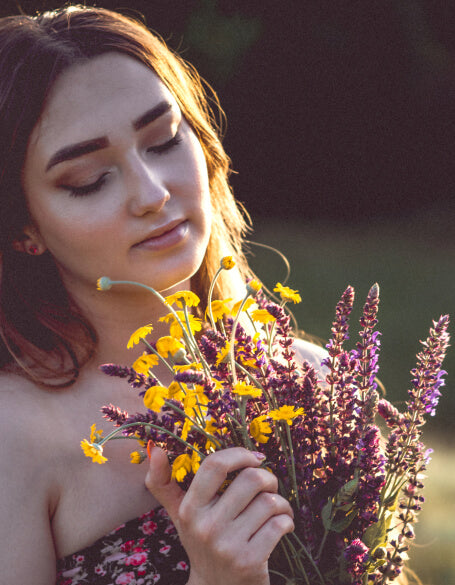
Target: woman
x=110 y=164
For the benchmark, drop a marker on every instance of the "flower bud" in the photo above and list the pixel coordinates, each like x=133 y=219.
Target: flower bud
x=227 y=263
x=104 y=283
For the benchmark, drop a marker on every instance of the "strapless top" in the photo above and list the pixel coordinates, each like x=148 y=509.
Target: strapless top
x=143 y=551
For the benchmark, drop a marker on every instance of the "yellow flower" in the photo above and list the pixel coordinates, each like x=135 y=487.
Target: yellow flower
x=190 y=299
x=181 y=467
x=248 y=303
x=222 y=355
x=168 y=345
x=145 y=362
x=263 y=316
x=227 y=263
x=103 y=283
x=219 y=308
x=195 y=402
x=187 y=426
x=287 y=294
x=286 y=413
x=175 y=329
x=138 y=335
x=136 y=457
x=154 y=397
x=217 y=384
x=253 y=287
x=250 y=362
x=211 y=429
x=94 y=451
x=195 y=460
x=243 y=389
x=177 y=390
x=260 y=428
x=95 y=434
x=192 y=366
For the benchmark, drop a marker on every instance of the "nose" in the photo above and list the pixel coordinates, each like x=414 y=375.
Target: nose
x=146 y=188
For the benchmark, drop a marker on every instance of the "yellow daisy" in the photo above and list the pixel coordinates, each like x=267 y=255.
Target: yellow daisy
x=181 y=467
x=219 y=308
x=136 y=457
x=248 y=304
x=176 y=390
x=287 y=294
x=253 y=287
x=145 y=362
x=95 y=452
x=286 y=413
x=263 y=316
x=188 y=297
x=138 y=335
x=175 y=328
x=192 y=366
x=260 y=428
x=154 y=397
x=222 y=355
x=168 y=345
x=243 y=389
x=95 y=434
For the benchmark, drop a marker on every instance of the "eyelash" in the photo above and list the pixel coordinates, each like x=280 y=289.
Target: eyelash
x=97 y=185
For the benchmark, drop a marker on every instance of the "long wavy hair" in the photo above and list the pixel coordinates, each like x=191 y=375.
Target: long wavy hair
x=43 y=334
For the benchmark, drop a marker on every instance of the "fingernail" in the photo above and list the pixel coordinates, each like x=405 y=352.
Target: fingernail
x=259 y=455
x=150 y=446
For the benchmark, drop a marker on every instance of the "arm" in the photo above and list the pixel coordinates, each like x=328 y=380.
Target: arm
x=27 y=550
x=228 y=538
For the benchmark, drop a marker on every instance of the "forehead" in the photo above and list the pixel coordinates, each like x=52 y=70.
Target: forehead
x=95 y=98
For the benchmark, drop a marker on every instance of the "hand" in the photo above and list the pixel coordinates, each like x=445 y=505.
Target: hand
x=228 y=538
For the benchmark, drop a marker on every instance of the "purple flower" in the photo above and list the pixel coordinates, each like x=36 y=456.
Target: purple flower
x=356 y=555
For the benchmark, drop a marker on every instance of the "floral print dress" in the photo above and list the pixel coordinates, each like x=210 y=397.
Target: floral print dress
x=143 y=551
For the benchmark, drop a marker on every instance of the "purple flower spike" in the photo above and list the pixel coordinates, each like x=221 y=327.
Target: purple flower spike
x=356 y=555
x=340 y=326
x=428 y=375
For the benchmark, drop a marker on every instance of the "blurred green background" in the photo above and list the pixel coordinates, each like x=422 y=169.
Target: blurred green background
x=341 y=127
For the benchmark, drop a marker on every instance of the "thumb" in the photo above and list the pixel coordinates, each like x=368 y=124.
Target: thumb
x=160 y=484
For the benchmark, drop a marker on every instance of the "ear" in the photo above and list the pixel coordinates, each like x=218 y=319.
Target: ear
x=31 y=242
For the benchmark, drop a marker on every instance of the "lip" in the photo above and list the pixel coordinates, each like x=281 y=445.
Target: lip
x=165 y=236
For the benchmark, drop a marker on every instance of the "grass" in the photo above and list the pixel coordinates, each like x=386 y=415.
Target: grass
x=413 y=262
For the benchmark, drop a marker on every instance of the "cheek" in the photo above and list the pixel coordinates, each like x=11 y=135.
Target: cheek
x=66 y=227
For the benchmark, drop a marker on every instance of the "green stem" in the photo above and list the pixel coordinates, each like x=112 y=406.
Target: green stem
x=209 y=297
x=232 y=340
x=293 y=476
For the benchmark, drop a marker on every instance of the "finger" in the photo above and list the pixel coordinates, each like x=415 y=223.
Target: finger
x=269 y=534
x=243 y=490
x=160 y=483
x=264 y=507
x=214 y=470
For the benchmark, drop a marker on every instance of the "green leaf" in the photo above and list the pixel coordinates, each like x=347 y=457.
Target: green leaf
x=342 y=523
x=375 y=535
x=326 y=514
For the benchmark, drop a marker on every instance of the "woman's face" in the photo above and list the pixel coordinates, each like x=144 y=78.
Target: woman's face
x=115 y=179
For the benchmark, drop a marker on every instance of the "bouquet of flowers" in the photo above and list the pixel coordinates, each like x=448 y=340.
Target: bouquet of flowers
x=236 y=382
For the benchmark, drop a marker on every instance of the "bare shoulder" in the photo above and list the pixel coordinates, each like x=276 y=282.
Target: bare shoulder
x=312 y=353
x=25 y=484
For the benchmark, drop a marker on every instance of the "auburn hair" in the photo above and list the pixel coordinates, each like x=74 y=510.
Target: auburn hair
x=43 y=333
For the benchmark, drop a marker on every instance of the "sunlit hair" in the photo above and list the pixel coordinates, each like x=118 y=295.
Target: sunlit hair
x=42 y=331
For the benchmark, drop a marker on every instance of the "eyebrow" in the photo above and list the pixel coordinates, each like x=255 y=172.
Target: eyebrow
x=81 y=148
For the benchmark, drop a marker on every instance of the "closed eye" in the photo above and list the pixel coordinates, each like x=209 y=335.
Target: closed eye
x=86 y=189
x=161 y=148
